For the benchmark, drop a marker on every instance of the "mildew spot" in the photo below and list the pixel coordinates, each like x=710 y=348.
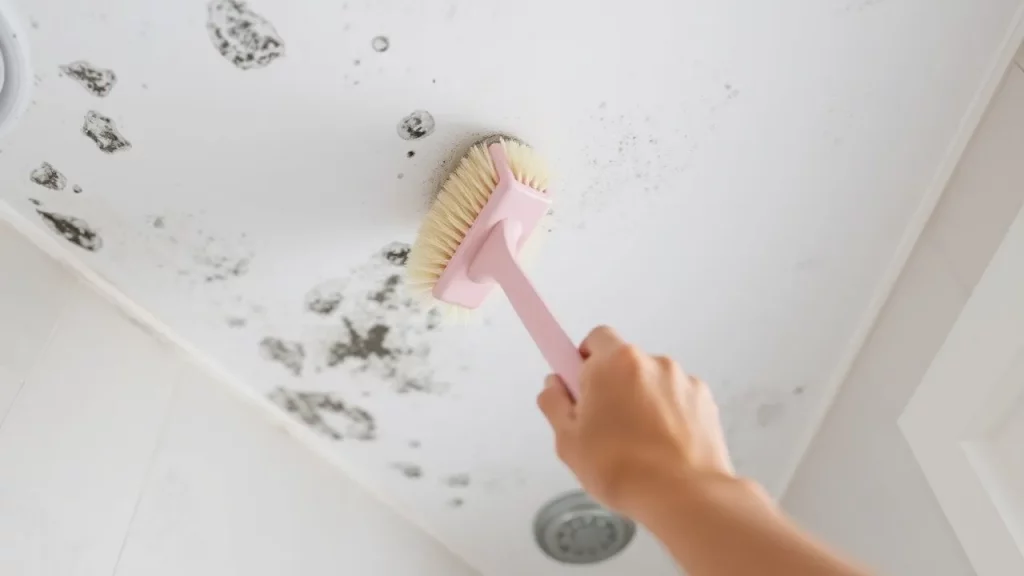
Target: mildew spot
x=456 y=503
x=98 y=81
x=48 y=177
x=74 y=230
x=223 y=267
x=314 y=408
x=325 y=298
x=410 y=154
x=289 y=354
x=76 y=189
x=414 y=444
x=397 y=253
x=235 y=322
x=35 y=202
x=242 y=36
x=380 y=44
x=158 y=222
x=457 y=480
x=103 y=131
x=411 y=471
x=360 y=347
x=419 y=124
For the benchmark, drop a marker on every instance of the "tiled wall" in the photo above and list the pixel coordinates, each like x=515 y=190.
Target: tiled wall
x=859 y=485
x=118 y=457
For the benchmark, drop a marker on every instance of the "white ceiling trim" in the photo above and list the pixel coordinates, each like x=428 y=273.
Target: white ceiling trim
x=1012 y=48
x=965 y=395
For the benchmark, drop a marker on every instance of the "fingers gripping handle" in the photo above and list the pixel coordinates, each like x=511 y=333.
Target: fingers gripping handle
x=496 y=259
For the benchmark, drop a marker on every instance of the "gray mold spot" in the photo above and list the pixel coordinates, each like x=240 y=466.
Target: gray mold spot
x=411 y=471
x=102 y=130
x=419 y=124
x=35 y=202
x=397 y=253
x=76 y=189
x=457 y=481
x=74 y=230
x=235 y=322
x=325 y=298
x=48 y=177
x=456 y=503
x=360 y=347
x=98 y=81
x=312 y=407
x=289 y=354
x=242 y=36
x=223 y=268
x=380 y=44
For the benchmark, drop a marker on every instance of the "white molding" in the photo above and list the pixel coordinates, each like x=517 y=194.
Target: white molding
x=965 y=394
x=968 y=125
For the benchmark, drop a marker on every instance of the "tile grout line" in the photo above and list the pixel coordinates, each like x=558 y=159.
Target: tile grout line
x=147 y=476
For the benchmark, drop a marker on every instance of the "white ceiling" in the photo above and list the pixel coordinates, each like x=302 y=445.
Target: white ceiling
x=733 y=180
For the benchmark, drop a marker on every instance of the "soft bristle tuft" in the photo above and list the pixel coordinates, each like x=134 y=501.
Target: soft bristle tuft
x=461 y=199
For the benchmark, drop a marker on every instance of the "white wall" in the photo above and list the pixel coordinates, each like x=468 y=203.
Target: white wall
x=119 y=457
x=859 y=485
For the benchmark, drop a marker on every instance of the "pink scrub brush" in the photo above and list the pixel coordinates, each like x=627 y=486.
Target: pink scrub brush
x=486 y=210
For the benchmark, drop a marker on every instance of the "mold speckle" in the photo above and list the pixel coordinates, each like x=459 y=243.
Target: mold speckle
x=456 y=503
x=158 y=222
x=76 y=189
x=798 y=391
x=769 y=413
x=34 y=23
x=48 y=177
x=223 y=267
x=103 y=132
x=457 y=481
x=74 y=230
x=357 y=62
x=235 y=322
x=419 y=124
x=411 y=471
x=380 y=44
x=359 y=346
x=397 y=253
x=400 y=175
x=325 y=298
x=35 y=202
x=242 y=36
x=291 y=355
x=319 y=411
x=414 y=444
x=98 y=81
x=410 y=153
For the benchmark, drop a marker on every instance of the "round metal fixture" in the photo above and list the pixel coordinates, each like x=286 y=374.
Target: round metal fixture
x=574 y=529
x=15 y=75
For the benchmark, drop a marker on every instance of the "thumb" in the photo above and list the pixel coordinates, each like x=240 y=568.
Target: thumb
x=556 y=403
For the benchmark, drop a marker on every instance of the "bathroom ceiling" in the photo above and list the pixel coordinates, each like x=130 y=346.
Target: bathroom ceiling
x=732 y=180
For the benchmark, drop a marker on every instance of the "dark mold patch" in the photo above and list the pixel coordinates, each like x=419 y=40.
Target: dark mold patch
x=223 y=268
x=411 y=471
x=798 y=391
x=325 y=298
x=380 y=44
x=158 y=222
x=103 y=132
x=313 y=407
x=242 y=37
x=360 y=347
x=456 y=503
x=410 y=153
x=48 y=177
x=76 y=189
x=74 y=230
x=289 y=354
x=397 y=253
x=98 y=81
x=457 y=481
x=35 y=202
x=419 y=124
x=386 y=294
x=235 y=322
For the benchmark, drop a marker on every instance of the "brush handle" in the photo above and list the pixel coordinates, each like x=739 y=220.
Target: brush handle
x=496 y=259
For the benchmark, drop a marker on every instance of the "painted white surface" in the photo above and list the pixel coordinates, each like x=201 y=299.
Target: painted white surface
x=118 y=457
x=966 y=405
x=737 y=214
x=860 y=486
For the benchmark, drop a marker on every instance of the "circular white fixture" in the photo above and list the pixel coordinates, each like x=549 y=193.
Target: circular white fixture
x=15 y=71
x=574 y=529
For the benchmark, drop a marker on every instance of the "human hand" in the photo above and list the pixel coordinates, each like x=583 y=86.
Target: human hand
x=640 y=425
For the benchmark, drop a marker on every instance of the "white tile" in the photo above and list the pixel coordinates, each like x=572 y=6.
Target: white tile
x=75 y=446
x=987 y=189
x=10 y=385
x=33 y=290
x=230 y=493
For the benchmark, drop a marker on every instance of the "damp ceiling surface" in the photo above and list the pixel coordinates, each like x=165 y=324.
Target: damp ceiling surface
x=732 y=181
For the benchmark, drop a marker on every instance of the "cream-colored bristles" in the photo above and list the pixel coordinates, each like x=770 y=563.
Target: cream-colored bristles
x=461 y=199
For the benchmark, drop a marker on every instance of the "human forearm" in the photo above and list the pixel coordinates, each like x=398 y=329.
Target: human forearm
x=717 y=525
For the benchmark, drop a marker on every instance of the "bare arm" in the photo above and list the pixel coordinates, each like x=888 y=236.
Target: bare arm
x=645 y=439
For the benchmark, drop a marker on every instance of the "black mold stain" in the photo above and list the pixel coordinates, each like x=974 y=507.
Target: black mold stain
x=397 y=253
x=289 y=354
x=410 y=153
x=310 y=407
x=48 y=177
x=242 y=36
x=419 y=124
x=225 y=268
x=323 y=301
x=35 y=202
x=74 y=230
x=387 y=292
x=360 y=347
x=98 y=81
x=411 y=471
x=76 y=189
x=103 y=132
x=380 y=44
x=235 y=322
x=457 y=481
